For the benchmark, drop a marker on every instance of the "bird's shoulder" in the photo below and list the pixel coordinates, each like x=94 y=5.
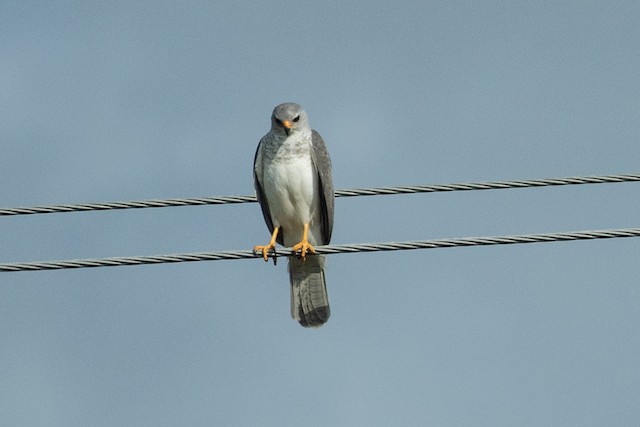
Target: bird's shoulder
x=316 y=138
x=319 y=151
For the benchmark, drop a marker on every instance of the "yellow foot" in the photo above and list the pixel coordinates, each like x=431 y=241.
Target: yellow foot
x=304 y=246
x=271 y=246
x=266 y=249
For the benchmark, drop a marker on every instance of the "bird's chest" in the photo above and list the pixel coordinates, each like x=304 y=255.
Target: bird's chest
x=290 y=187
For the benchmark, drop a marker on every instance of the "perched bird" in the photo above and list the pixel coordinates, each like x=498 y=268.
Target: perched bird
x=292 y=178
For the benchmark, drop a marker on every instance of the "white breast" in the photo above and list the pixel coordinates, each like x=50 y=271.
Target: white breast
x=291 y=189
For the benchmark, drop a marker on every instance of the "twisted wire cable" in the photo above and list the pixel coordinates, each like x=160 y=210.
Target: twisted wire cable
x=328 y=249
x=374 y=191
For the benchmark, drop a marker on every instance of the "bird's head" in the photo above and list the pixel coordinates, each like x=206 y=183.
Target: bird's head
x=289 y=118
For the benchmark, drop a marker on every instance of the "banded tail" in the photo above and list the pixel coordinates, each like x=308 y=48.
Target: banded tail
x=309 y=299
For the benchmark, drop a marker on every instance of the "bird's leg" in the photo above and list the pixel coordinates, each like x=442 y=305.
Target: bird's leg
x=304 y=244
x=269 y=247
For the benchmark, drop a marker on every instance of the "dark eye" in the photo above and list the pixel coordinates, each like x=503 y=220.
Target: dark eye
x=296 y=119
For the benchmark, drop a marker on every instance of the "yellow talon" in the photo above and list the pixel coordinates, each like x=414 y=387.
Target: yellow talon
x=269 y=247
x=304 y=244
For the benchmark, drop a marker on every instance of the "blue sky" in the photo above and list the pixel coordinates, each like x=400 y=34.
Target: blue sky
x=104 y=101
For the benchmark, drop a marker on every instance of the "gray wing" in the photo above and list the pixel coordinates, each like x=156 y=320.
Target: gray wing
x=322 y=165
x=262 y=198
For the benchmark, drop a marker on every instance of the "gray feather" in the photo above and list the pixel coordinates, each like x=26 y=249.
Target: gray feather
x=262 y=198
x=309 y=299
x=322 y=164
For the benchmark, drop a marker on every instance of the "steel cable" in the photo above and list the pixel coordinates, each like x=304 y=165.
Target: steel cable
x=374 y=191
x=328 y=249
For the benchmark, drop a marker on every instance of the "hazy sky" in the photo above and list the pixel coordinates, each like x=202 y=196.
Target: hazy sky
x=103 y=101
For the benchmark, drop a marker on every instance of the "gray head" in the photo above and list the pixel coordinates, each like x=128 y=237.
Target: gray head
x=288 y=118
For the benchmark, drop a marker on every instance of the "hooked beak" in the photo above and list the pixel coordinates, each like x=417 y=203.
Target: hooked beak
x=287 y=126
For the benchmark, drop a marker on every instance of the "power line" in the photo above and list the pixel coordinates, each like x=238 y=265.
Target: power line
x=374 y=191
x=329 y=249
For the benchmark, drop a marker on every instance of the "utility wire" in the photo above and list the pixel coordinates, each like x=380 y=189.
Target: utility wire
x=375 y=191
x=329 y=249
